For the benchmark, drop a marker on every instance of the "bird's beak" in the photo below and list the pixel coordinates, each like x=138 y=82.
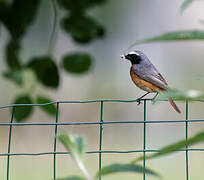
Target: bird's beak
x=122 y=56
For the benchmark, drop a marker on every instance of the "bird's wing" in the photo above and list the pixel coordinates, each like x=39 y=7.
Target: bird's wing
x=149 y=73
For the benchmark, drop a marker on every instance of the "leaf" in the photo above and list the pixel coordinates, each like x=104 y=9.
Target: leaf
x=77 y=63
x=118 y=168
x=82 y=28
x=49 y=109
x=20 y=15
x=181 y=95
x=23 y=112
x=75 y=146
x=72 y=178
x=185 y=4
x=174 y=147
x=46 y=71
x=78 y=5
x=12 y=57
x=174 y=36
x=15 y=75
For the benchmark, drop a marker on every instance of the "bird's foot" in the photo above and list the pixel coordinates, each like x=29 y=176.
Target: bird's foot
x=139 y=101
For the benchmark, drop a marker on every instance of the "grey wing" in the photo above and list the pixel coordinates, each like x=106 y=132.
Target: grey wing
x=149 y=73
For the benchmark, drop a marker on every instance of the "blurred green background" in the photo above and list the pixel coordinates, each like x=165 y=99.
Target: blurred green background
x=125 y=22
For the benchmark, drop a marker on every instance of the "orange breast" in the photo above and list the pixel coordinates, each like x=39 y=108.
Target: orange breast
x=142 y=84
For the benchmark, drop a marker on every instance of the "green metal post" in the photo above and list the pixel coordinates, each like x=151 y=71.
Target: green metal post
x=144 y=143
x=55 y=142
x=9 y=144
x=101 y=138
x=187 y=170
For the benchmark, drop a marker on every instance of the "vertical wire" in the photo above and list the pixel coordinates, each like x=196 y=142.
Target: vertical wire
x=187 y=170
x=9 y=144
x=144 y=143
x=100 y=140
x=55 y=142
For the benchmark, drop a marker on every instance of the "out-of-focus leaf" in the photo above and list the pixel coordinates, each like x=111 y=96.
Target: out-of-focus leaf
x=82 y=28
x=72 y=178
x=78 y=5
x=74 y=144
x=185 y=4
x=21 y=15
x=4 y=9
x=46 y=71
x=174 y=36
x=181 y=95
x=12 y=57
x=121 y=168
x=22 y=112
x=50 y=109
x=198 y=138
x=77 y=63
x=15 y=75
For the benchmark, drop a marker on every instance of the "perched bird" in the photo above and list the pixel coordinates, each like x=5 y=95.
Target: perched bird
x=146 y=76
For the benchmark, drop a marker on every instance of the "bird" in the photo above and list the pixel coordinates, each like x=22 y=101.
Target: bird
x=145 y=76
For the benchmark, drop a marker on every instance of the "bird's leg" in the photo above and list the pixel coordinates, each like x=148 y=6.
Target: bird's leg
x=155 y=96
x=139 y=99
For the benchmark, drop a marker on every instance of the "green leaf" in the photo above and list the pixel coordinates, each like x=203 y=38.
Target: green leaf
x=185 y=4
x=23 y=112
x=77 y=63
x=49 y=109
x=12 y=57
x=174 y=147
x=15 y=75
x=121 y=168
x=82 y=28
x=181 y=95
x=46 y=71
x=174 y=36
x=19 y=17
x=75 y=145
x=78 y=5
x=72 y=178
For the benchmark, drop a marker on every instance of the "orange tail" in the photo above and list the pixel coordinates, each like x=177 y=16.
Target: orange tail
x=174 y=105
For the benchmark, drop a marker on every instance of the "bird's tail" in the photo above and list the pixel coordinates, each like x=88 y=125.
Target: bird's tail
x=174 y=105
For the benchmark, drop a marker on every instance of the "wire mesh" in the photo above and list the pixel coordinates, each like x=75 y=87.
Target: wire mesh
x=101 y=122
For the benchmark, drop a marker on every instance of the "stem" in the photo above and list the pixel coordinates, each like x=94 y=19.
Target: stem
x=52 y=40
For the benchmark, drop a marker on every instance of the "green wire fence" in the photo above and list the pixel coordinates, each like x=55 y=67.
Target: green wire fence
x=100 y=122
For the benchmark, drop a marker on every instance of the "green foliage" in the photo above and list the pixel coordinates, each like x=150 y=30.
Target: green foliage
x=22 y=112
x=18 y=15
x=121 y=168
x=12 y=58
x=76 y=146
x=49 y=109
x=82 y=28
x=174 y=147
x=185 y=4
x=72 y=178
x=78 y=5
x=174 y=36
x=181 y=95
x=77 y=63
x=46 y=71
x=14 y=75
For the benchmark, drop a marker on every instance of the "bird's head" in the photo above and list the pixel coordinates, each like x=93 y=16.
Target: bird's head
x=134 y=56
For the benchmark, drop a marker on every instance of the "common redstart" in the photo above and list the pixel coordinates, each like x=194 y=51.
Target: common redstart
x=146 y=76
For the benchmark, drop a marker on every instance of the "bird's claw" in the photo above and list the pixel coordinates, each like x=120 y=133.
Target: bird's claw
x=139 y=101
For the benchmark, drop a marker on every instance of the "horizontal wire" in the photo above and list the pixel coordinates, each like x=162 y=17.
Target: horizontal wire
x=88 y=101
x=96 y=152
x=104 y=122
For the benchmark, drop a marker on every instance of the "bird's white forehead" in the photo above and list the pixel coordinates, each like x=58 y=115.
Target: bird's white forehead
x=133 y=52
